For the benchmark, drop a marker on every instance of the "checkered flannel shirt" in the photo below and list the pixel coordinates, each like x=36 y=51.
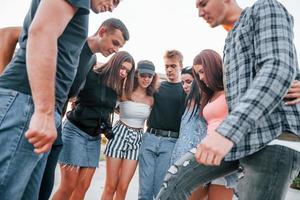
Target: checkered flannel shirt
x=260 y=63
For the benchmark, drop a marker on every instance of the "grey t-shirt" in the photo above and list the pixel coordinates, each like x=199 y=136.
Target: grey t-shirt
x=69 y=43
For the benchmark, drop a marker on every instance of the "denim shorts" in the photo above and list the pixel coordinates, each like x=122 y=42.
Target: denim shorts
x=229 y=181
x=79 y=148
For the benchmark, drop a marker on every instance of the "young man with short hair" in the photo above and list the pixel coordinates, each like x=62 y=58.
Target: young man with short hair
x=261 y=133
x=163 y=128
x=109 y=38
x=35 y=86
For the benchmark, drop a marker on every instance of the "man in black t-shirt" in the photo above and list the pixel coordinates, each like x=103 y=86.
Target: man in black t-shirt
x=163 y=128
x=34 y=87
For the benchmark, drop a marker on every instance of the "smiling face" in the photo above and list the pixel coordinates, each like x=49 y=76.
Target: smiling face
x=144 y=80
x=110 y=41
x=125 y=69
x=98 y=6
x=212 y=11
x=187 y=80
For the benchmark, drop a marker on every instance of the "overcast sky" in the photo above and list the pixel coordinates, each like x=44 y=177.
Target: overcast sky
x=156 y=25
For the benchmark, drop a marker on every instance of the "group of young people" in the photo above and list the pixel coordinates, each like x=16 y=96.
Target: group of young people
x=258 y=132
x=207 y=125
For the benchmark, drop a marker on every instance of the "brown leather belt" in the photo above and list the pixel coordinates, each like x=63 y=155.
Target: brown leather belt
x=163 y=133
x=289 y=137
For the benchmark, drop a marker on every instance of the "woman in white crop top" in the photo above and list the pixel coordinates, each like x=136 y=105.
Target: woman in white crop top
x=122 y=151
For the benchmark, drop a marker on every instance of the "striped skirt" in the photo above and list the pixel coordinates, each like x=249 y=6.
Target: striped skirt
x=126 y=142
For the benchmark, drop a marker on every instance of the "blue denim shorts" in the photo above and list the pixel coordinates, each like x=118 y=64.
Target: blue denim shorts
x=79 y=148
x=229 y=181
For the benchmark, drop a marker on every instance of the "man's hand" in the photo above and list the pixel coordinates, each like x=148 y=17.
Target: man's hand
x=72 y=102
x=42 y=132
x=293 y=95
x=213 y=149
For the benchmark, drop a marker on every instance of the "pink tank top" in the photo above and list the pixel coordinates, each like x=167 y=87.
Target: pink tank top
x=215 y=112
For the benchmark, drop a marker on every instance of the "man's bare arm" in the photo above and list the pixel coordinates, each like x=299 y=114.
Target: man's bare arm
x=8 y=41
x=49 y=23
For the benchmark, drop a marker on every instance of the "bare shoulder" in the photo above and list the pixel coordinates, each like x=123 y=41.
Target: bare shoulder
x=150 y=101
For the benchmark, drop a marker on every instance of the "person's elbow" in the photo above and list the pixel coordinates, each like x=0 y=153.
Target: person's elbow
x=41 y=32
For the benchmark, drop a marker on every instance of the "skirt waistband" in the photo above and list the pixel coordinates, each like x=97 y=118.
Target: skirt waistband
x=129 y=127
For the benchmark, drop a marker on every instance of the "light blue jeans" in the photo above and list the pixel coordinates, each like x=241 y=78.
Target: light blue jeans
x=154 y=161
x=268 y=174
x=21 y=169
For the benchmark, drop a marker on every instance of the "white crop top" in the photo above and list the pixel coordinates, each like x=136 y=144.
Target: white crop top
x=134 y=114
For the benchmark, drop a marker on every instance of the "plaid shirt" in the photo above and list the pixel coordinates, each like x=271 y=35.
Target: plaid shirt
x=260 y=64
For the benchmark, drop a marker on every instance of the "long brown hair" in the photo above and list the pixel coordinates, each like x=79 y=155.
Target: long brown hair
x=211 y=62
x=110 y=72
x=152 y=88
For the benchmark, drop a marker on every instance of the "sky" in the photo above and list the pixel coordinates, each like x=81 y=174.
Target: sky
x=156 y=26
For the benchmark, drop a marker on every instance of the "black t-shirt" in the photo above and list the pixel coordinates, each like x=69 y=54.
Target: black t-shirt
x=169 y=105
x=69 y=46
x=94 y=103
x=86 y=62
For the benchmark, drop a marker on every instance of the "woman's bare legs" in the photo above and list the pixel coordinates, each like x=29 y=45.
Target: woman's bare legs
x=83 y=183
x=68 y=182
x=126 y=173
x=200 y=193
x=113 y=166
x=217 y=192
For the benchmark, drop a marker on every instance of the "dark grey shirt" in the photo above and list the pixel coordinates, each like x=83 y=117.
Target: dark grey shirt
x=69 y=43
x=86 y=62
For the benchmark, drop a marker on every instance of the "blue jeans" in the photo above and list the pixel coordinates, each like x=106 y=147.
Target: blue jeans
x=21 y=169
x=49 y=172
x=154 y=161
x=268 y=173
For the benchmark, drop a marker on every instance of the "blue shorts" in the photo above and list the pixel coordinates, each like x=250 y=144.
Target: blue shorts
x=79 y=148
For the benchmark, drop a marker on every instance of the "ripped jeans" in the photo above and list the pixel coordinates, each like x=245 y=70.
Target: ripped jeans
x=268 y=174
